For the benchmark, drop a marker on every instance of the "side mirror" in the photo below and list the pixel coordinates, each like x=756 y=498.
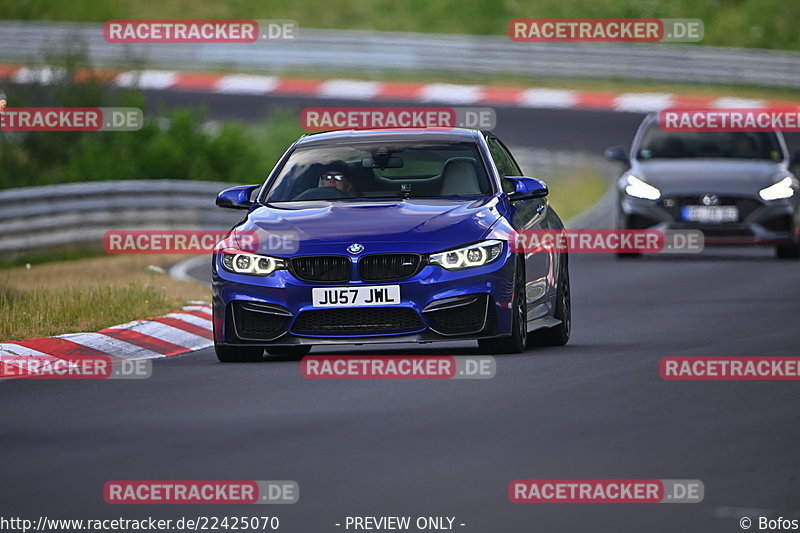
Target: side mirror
x=527 y=188
x=237 y=197
x=617 y=153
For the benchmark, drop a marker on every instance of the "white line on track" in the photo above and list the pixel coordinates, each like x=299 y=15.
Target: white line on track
x=147 y=79
x=246 y=84
x=111 y=346
x=349 y=89
x=167 y=333
x=450 y=93
x=192 y=319
x=548 y=98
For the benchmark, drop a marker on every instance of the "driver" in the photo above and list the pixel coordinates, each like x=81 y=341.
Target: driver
x=336 y=175
x=743 y=145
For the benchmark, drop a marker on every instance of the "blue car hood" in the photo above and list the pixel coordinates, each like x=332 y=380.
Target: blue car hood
x=418 y=225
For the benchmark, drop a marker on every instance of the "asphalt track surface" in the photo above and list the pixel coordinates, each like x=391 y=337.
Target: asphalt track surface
x=596 y=408
x=556 y=129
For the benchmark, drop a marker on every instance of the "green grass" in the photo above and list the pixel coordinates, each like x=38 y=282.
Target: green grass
x=88 y=295
x=574 y=194
x=40 y=312
x=746 y=23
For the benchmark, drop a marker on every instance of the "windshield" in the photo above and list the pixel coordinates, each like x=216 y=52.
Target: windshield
x=381 y=170
x=659 y=144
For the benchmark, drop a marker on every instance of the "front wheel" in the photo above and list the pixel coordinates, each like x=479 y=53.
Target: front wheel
x=238 y=354
x=518 y=340
x=623 y=225
x=788 y=251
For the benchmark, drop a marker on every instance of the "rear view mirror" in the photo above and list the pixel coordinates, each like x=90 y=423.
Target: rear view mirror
x=392 y=162
x=617 y=153
x=526 y=188
x=237 y=197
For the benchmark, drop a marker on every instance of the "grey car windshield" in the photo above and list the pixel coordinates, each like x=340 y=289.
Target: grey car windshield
x=659 y=144
x=381 y=170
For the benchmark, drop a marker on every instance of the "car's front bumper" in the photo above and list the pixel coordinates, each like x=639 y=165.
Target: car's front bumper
x=759 y=223
x=436 y=305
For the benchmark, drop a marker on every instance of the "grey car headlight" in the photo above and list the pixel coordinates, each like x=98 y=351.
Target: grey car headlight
x=639 y=189
x=240 y=262
x=471 y=256
x=777 y=191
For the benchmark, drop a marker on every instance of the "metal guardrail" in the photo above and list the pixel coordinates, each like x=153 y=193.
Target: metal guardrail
x=377 y=52
x=53 y=215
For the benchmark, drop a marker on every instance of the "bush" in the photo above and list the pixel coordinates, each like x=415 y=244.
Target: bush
x=176 y=144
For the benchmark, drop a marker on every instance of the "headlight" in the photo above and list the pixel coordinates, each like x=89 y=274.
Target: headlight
x=782 y=189
x=471 y=256
x=640 y=189
x=241 y=262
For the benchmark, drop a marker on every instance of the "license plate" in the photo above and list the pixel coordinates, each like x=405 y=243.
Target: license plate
x=711 y=213
x=355 y=296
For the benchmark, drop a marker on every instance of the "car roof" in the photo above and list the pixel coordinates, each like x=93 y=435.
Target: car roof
x=391 y=135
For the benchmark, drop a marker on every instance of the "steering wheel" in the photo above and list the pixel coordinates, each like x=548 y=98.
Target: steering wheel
x=322 y=193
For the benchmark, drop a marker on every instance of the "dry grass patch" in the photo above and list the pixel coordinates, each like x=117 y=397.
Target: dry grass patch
x=88 y=295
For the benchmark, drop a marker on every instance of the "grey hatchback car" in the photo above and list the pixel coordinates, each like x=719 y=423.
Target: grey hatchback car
x=735 y=187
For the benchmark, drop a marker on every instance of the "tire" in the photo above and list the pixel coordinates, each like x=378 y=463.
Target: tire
x=293 y=351
x=558 y=335
x=622 y=225
x=788 y=251
x=518 y=340
x=238 y=354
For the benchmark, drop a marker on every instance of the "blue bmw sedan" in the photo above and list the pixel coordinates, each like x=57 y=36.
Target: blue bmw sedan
x=388 y=236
